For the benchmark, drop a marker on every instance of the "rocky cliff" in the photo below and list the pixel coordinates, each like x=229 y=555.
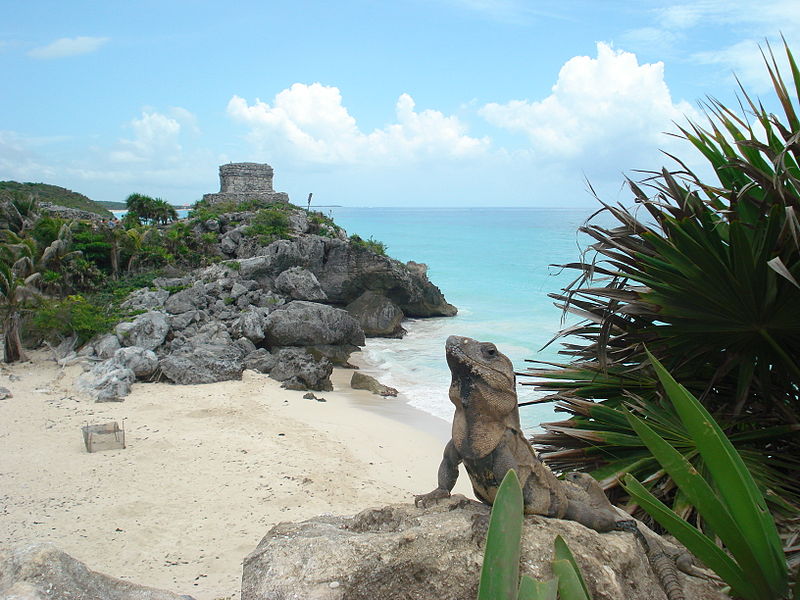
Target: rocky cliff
x=292 y=308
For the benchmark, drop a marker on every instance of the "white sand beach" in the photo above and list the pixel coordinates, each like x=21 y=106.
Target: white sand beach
x=208 y=469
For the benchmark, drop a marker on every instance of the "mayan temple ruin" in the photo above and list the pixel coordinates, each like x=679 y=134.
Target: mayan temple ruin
x=246 y=181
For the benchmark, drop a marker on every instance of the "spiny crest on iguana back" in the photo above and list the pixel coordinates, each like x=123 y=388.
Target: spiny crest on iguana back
x=483 y=390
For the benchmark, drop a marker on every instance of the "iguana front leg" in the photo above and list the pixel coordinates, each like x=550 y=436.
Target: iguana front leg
x=447 y=477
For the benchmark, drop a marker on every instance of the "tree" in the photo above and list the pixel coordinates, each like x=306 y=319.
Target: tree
x=150 y=210
x=17 y=291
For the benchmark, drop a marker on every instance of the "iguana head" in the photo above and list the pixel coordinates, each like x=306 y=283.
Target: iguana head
x=472 y=362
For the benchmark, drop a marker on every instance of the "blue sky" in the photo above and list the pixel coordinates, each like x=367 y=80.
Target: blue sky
x=368 y=102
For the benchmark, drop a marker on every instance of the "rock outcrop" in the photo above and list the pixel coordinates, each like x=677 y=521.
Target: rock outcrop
x=299 y=370
x=360 y=381
x=377 y=315
x=400 y=551
x=42 y=572
x=250 y=309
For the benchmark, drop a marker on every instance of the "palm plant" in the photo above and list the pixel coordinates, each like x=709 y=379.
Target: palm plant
x=17 y=291
x=707 y=276
x=18 y=212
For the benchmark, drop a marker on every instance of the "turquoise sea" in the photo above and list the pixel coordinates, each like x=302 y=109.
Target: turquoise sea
x=494 y=264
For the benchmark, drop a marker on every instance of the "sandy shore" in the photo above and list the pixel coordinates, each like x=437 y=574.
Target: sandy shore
x=207 y=471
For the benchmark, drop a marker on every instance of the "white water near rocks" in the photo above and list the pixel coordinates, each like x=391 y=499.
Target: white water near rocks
x=494 y=264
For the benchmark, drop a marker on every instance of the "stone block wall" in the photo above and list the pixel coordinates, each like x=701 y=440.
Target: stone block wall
x=246 y=181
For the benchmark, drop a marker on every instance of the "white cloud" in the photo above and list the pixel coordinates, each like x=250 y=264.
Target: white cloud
x=18 y=159
x=156 y=136
x=673 y=25
x=310 y=123
x=64 y=47
x=608 y=106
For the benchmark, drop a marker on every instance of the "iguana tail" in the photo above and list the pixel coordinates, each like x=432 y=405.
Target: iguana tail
x=660 y=562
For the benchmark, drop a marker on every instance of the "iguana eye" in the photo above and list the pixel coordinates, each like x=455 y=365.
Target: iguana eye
x=490 y=350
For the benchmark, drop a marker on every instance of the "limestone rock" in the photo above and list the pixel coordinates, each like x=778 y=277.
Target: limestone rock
x=106 y=346
x=142 y=362
x=193 y=298
x=338 y=354
x=148 y=330
x=259 y=360
x=251 y=324
x=106 y=382
x=377 y=315
x=301 y=323
x=300 y=284
x=298 y=370
x=349 y=270
x=145 y=299
x=203 y=363
x=42 y=572
x=360 y=381
x=400 y=551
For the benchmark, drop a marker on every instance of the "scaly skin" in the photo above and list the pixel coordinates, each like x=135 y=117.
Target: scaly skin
x=488 y=439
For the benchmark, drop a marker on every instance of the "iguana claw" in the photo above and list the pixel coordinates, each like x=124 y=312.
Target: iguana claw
x=425 y=500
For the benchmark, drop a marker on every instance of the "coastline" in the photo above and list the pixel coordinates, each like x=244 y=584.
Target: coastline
x=208 y=469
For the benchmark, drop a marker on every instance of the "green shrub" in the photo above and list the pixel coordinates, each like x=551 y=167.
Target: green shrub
x=204 y=210
x=46 y=230
x=73 y=315
x=93 y=245
x=322 y=225
x=725 y=494
x=269 y=224
x=371 y=244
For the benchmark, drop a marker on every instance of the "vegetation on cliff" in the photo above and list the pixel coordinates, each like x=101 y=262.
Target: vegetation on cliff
x=64 y=278
x=44 y=192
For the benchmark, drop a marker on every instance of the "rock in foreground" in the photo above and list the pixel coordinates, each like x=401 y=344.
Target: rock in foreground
x=41 y=571
x=403 y=552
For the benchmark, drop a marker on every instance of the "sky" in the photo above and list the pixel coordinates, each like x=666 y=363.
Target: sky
x=370 y=102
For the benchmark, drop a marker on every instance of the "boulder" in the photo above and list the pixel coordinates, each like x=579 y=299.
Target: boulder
x=359 y=381
x=142 y=362
x=300 y=284
x=145 y=299
x=41 y=571
x=298 y=221
x=107 y=381
x=400 y=551
x=106 y=346
x=259 y=360
x=301 y=323
x=193 y=298
x=349 y=270
x=203 y=363
x=299 y=370
x=338 y=354
x=251 y=324
x=377 y=315
x=148 y=330
x=183 y=320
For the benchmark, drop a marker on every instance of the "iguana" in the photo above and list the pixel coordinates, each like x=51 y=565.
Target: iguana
x=488 y=439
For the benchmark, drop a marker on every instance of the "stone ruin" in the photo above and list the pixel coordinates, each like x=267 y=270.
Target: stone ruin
x=246 y=181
